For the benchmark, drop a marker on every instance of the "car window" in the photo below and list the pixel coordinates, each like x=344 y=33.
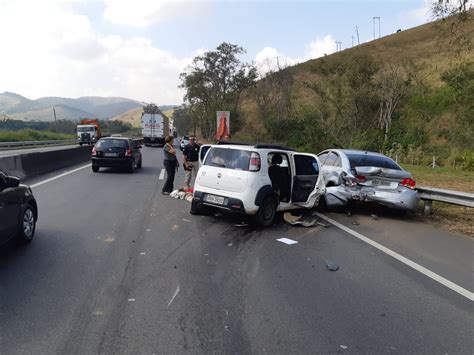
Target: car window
x=203 y=151
x=283 y=164
x=322 y=157
x=228 y=158
x=112 y=143
x=331 y=159
x=372 y=160
x=306 y=165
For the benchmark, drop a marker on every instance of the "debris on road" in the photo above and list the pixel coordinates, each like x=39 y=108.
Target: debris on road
x=343 y=347
x=287 y=241
x=301 y=221
x=331 y=265
x=322 y=224
x=241 y=224
x=355 y=223
x=374 y=217
x=289 y=218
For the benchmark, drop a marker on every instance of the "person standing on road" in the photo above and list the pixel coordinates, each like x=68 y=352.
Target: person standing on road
x=171 y=165
x=190 y=160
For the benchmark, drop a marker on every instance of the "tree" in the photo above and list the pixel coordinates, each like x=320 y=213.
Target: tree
x=214 y=82
x=151 y=108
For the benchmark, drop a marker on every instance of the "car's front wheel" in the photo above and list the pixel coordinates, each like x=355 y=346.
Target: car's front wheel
x=27 y=226
x=266 y=213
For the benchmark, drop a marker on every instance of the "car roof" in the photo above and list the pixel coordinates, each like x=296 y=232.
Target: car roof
x=353 y=151
x=252 y=146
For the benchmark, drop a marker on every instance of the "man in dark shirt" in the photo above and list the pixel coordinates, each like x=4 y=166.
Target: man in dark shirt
x=191 y=160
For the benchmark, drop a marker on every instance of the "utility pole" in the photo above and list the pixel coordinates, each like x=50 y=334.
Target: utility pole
x=352 y=40
x=56 y=123
x=358 y=38
x=376 y=19
x=278 y=62
x=338 y=46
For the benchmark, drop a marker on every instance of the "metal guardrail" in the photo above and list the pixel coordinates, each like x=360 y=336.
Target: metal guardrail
x=36 y=143
x=430 y=194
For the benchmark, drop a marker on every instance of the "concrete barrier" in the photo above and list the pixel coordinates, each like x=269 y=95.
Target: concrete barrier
x=32 y=164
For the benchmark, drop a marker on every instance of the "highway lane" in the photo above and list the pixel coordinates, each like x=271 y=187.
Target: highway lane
x=40 y=149
x=117 y=267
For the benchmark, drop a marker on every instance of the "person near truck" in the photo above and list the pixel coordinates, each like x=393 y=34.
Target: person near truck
x=190 y=160
x=171 y=165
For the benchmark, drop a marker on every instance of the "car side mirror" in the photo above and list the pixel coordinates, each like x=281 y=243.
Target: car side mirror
x=8 y=181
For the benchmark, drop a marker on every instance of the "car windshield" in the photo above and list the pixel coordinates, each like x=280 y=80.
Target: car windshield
x=86 y=129
x=112 y=143
x=228 y=158
x=372 y=160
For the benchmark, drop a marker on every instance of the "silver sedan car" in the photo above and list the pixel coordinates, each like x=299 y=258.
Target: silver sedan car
x=366 y=176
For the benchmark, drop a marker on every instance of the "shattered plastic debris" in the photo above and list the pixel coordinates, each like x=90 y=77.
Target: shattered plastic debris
x=343 y=347
x=241 y=224
x=374 y=217
x=289 y=218
x=355 y=223
x=298 y=220
x=331 y=265
x=322 y=224
x=287 y=241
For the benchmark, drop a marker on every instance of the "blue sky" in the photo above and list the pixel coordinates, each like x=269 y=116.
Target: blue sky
x=137 y=48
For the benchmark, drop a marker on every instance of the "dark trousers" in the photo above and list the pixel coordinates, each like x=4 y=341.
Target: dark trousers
x=170 y=166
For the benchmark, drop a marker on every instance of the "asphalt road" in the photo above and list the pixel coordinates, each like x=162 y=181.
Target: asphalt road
x=12 y=152
x=116 y=267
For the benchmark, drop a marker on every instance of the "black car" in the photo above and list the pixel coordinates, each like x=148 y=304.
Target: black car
x=18 y=210
x=116 y=152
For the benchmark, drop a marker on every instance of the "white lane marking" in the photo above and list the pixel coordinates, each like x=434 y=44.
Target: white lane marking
x=131 y=300
x=60 y=176
x=445 y=282
x=287 y=241
x=174 y=296
x=162 y=174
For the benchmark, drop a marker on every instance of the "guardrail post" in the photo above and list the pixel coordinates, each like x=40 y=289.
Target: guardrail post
x=428 y=207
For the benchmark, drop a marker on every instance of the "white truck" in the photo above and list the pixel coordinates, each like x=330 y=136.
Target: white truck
x=155 y=127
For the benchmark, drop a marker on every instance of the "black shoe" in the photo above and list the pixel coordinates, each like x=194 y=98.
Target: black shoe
x=165 y=193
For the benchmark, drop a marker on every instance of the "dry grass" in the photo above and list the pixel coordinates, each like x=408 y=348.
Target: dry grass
x=446 y=216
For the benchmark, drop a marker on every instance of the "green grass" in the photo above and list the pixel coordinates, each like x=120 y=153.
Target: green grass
x=32 y=135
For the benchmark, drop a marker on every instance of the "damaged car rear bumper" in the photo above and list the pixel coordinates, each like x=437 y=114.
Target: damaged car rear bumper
x=400 y=199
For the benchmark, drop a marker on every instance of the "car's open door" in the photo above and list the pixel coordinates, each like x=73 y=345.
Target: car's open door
x=308 y=185
x=202 y=152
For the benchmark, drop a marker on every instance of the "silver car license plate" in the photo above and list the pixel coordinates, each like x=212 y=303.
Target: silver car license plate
x=110 y=154
x=219 y=200
x=380 y=183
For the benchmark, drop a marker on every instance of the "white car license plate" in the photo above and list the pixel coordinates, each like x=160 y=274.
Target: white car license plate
x=110 y=154
x=215 y=199
x=380 y=183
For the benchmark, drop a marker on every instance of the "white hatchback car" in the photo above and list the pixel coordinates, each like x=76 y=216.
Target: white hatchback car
x=257 y=180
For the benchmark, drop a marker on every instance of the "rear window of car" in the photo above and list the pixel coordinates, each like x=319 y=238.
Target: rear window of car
x=112 y=143
x=229 y=158
x=372 y=160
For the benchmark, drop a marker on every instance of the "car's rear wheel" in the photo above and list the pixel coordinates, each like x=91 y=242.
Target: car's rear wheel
x=266 y=213
x=27 y=226
x=95 y=169
x=131 y=166
x=198 y=208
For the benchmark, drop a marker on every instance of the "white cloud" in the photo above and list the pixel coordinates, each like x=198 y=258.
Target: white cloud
x=320 y=47
x=142 y=13
x=53 y=51
x=270 y=59
x=417 y=16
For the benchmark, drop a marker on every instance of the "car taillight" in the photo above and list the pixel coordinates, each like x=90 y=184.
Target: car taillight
x=360 y=178
x=128 y=152
x=94 y=152
x=254 y=162
x=410 y=183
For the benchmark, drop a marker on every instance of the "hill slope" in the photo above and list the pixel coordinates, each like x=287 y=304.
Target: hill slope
x=341 y=100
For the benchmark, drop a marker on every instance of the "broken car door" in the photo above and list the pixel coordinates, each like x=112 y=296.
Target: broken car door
x=307 y=182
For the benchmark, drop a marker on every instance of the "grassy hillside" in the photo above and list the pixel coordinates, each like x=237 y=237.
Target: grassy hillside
x=46 y=114
x=133 y=116
x=336 y=101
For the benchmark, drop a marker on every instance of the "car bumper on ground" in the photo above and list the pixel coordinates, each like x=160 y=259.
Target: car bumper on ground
x=111 y=163
x=400 y=199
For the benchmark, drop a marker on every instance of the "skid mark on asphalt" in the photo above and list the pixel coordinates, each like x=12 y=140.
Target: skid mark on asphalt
x=445 y=282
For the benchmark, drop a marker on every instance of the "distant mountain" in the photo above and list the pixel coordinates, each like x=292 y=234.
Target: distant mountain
x=46 y=114
x=17 y=106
